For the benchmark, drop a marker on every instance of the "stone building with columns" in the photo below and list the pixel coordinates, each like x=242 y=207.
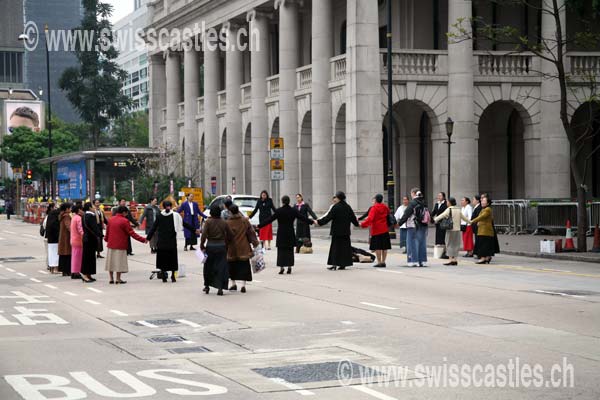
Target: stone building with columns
x=318 y=79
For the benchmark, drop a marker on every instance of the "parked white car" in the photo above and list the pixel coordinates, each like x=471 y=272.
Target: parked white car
x=246 y=204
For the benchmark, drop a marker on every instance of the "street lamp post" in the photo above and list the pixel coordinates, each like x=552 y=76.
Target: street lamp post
x=25 y=37
x=391 y=187
x=449 y=130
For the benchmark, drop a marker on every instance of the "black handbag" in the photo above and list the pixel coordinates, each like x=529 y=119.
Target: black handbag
x=447 y=223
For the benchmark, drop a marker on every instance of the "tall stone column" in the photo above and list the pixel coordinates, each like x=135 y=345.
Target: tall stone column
x=158 y=93
x=289 y=31
x=555 y=169
x=212 y=146
x=191 y=82
x=464 y=152
x=322 y=147
x=233 y=81
x=259 y=71
x=364 y=169
x=173 y=98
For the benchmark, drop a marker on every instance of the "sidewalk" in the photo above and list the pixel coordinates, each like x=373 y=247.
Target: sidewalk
x=516 y=245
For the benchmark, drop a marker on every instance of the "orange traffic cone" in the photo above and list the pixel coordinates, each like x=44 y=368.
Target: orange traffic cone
x=569 y=245
x=596 y=248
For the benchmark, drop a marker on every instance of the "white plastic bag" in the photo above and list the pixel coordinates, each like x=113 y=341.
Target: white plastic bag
x=181 y=271
x=258 y=261
x=201 y=255
x=547 y=246
x=438 y=251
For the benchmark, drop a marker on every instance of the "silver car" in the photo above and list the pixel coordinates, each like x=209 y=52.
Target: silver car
x=246 y=204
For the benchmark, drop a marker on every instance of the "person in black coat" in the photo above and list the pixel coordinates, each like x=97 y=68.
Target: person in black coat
x=439 y=208
x=91 y=236
x=286 y=239
x=302 y=228
x=264 y=206
x=52 y=234
x=341 y=216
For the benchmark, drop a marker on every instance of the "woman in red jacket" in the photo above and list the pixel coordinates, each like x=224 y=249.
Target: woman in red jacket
x=117 y=236
x=377 y=220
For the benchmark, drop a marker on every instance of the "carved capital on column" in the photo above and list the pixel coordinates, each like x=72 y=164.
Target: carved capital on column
x=283 y=3
x=258 y=13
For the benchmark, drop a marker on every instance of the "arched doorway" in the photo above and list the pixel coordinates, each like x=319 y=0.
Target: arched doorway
x=586 y=126
x=502 y=150
x=247 y=164
x=412 y=148
x=223 y=163
x=305 y=157
x=274 y=184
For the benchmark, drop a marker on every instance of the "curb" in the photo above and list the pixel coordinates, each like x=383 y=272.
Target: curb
x=570 y=257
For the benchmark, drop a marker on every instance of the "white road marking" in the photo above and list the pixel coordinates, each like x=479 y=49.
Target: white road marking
x=95 y=290
x=10 y=232
x=30 y=236
x=373 y=393
x=70 y=294
x=347 y=322
x=257 y=281
x=43 y=272
x=2 y=238
x=93 y=302
x=189 y=323
x=189 y=342
x=35 y=280
x=119 y=313
x=390 y=271
x=339 y=332
x=21 y=274
x=147 y=324
x=559 y=294
x=10 y=269
x=51 y=286
x=554 y=270
x=377 y=306
x=296 y=388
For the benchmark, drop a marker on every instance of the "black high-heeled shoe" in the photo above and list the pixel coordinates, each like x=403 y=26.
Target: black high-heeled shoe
x=332 y=268
x=164 y=278
x=220 y=292
x=243 y=289
x=173 y=279
x=281 y=271
x=206 y=289
x=233 y=288
x=289 y=270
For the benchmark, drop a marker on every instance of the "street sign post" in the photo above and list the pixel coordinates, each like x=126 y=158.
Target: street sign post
x=277 y=164
x=277 y=170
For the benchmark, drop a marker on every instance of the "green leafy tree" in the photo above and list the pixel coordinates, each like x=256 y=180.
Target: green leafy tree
x=94 y=87
x=26 y=146
x=552 y=49
x=131 y=130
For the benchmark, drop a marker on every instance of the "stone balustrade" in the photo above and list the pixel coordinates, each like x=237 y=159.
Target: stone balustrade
x=415 y=62
x=181 y=111
x=506 y=64
x=338 y=68
x=221 y=100
x=246 y=90
x=304 y=77
x=584 y=63
x=200 y=106
x=273 y=86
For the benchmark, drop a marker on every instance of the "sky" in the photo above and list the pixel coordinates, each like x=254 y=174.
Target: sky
x=120 y=8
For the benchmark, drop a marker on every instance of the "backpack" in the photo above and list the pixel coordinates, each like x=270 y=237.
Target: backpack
x=422 y=215
x=391 y=220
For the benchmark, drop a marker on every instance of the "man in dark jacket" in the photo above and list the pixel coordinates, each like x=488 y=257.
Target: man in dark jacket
x=476 y=211
x=150 y=214
x=416 y=235
x=440 y=234
x=341 y=216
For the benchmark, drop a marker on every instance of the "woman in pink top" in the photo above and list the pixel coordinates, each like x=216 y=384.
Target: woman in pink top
x=76 y=242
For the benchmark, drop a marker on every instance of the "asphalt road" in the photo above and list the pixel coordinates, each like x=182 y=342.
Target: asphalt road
x=516 y=329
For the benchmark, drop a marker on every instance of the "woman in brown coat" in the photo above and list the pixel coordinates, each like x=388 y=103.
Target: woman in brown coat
x=216 y=237
x=64 y=240
x=239 y=251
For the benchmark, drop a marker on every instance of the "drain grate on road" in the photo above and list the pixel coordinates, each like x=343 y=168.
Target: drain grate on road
x=167 y=339
x=188 y=350
x=319 y=372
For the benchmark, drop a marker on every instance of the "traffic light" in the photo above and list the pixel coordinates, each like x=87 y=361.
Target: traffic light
x=28 y=177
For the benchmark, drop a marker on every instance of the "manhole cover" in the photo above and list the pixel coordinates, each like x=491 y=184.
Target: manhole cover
x=186 y=350
x=320 y=372
x=167 y=339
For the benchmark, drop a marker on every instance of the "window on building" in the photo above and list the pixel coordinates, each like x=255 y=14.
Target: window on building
x=135 y=77
x=143 y=73
x=135 y=91
x=143 y=59
x=11 y=67
x=144 y=87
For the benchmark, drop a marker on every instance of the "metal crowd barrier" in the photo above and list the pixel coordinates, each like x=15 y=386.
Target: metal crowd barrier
x=554 y=216
x=594 y=213
x=511 y=216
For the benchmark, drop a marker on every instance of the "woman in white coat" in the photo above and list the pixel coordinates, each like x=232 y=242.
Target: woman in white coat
x=453 y=236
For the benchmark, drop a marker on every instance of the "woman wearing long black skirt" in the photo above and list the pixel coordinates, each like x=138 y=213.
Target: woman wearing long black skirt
x=216 y=236
x=167 y=225
x=286 y=238
x=91 y=235
x=341 y=216
x=239 y=251
x=302 y=228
